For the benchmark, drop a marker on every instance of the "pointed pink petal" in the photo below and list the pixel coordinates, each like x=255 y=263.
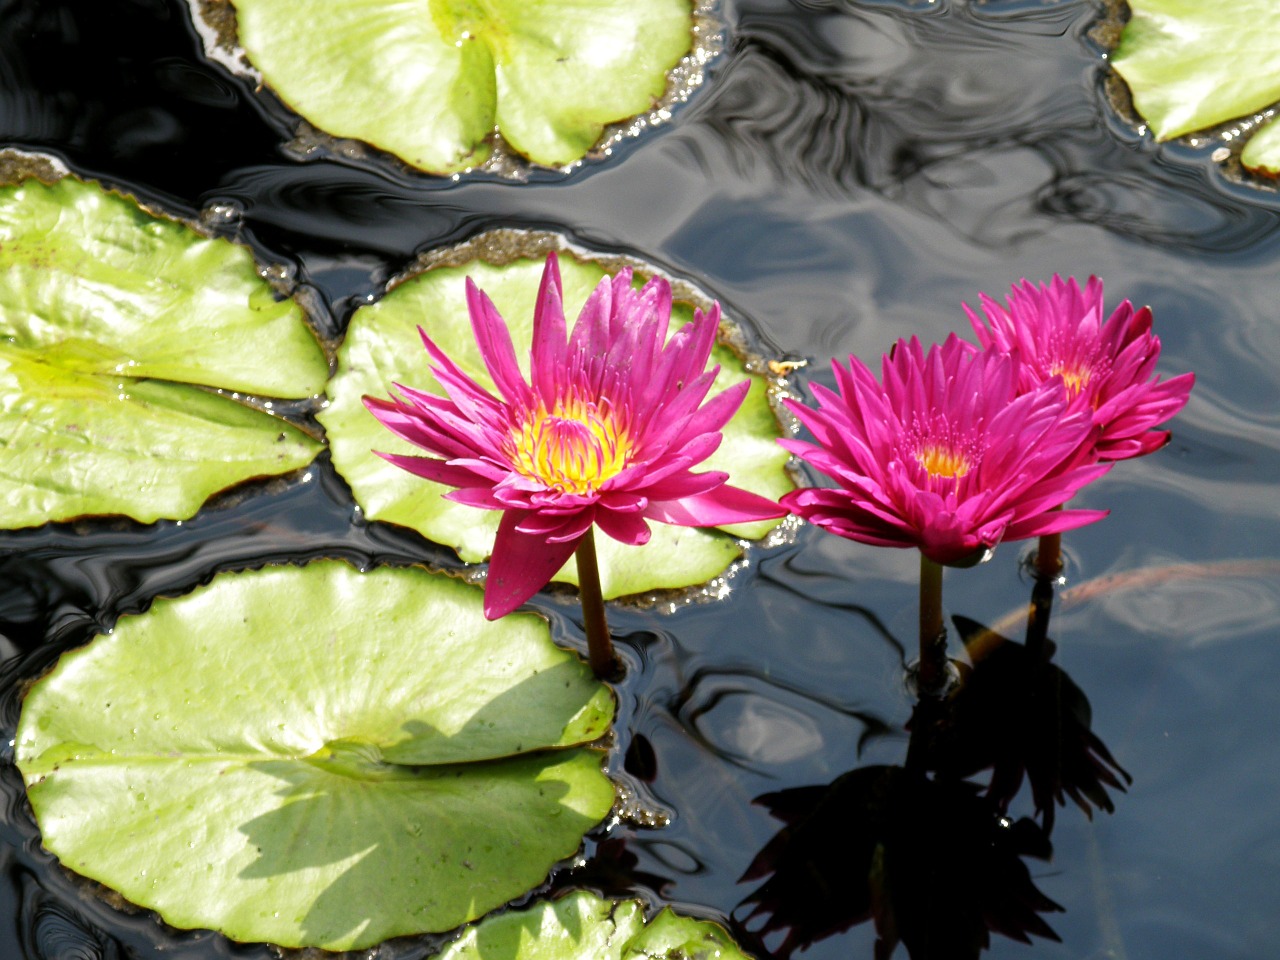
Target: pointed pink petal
x=522 y=564
x=444 y=364
x=725 y=504
x=575 y=525
x=548 y=351
x=1053 y=521
x=481 y=497
x=629 y=527
x=435 y=470
x=496 y=349
x=682 y=485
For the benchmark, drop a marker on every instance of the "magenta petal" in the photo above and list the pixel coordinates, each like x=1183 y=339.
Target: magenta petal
x=522 y=564
x=725 y=504
x=1054 y=521
x=944 y=453
x=496 y=349
x=547 y=353
x=539 y=524
x=838 y=513
x=436 y=470
x=627 y=527
x=481 y=497
x=684 y=485
x=574 y=527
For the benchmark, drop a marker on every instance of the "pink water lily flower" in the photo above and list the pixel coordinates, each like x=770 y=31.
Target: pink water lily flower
x=604 y=433
x=943 y=453
x=1108 y=367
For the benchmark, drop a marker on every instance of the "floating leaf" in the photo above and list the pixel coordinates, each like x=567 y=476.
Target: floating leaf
x=317 y=756
x=581 y=926
x=108 y=316
x=430 y=81
x=1192 y=64
x=1262 y=153
x=383 y=348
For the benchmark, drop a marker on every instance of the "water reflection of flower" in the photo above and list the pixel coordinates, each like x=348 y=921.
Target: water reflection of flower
x=930 y=856
x=943 y=453
x=1020 y=715
x=603 y=434
x=931 y=862
x=1108 y=367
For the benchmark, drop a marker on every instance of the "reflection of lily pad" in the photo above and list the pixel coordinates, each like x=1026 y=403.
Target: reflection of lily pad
x=1192 y=64
x=108 y=316
x=429 y=81
x=584 y=927
x=240 y=758
x=383 y=348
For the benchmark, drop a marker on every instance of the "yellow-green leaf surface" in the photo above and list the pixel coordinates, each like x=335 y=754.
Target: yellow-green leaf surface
x=581 y=926
x=315 y=756
x=429 y=80
x=108 y=318
x=1262 y=153
x=1192 y=64
x=382 y=348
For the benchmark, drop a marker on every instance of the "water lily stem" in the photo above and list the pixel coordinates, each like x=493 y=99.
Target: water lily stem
x=1049 y=556
x=599 y=644
x=931 y=677
x=1038 y=612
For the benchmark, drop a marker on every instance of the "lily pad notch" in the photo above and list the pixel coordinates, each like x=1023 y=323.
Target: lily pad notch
x=450 y=85
x=121 y=334
x=317 y=756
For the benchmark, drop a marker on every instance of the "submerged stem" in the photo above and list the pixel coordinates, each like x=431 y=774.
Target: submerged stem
x=599 y=644
x=1038 y=612
x=932 y=675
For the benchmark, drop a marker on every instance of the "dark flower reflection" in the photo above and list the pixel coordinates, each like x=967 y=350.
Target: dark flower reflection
x=1020 y=715
x=931 y=861
x=925 y=851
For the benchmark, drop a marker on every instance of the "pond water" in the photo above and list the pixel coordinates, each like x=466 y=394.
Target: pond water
x=850 y=173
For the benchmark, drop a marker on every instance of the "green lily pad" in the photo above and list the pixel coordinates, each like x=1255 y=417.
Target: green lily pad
x=317 y=757
x=109 y=318
x=430 y=81
x=1191 y=64
x=581 y=926
x=1262 y=153
x=382 y=348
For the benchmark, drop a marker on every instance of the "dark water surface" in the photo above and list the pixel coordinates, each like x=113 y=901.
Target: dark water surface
x=849 y=174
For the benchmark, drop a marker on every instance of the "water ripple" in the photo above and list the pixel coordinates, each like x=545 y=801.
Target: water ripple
x=984 y=133
x=51 y=929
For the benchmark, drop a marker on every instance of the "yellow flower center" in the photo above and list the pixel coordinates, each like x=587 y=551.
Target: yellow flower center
x=943 y=461
x=573 y=448
x=1076 y=378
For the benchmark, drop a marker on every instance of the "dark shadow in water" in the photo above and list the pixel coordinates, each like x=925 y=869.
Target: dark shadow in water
x=931 y=862
x=1020 y=715
x=50 y=929
x=932 y=858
